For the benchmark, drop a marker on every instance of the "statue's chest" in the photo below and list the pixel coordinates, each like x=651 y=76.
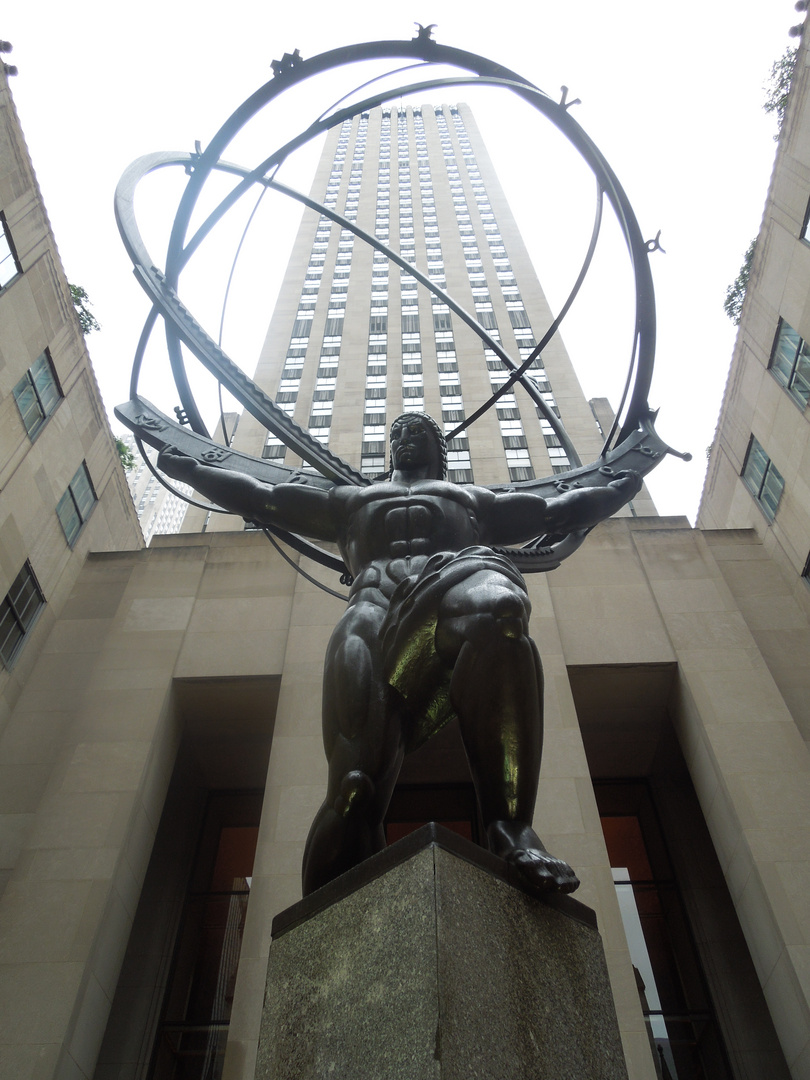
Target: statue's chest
x=414 y=528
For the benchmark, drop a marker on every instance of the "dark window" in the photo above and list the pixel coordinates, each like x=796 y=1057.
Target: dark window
x=521 y=472
x=301 y=328
x=333 y=328
x=378 y=324
x=274 y=451
x=488 y=320
x=410 y=324
x=9 y=263
x=675 y=1000
x=372 y=464
x=76 y=505
x=37 y=394
x=18 y=611
x=442 y=321
x=461 y=442
x=519 y=318
x=525 y=339
x=762 y=479
x=790 y=363
x=197 y=1007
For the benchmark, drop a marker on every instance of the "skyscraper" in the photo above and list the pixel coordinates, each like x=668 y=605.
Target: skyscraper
x=355 y=340
x=159 y=510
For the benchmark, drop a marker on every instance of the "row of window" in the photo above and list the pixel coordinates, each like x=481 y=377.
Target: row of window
x=287 y=395
x=515 y=444
x=37 y=394
x=24 y=600
x=790 y=366
x=483 y=305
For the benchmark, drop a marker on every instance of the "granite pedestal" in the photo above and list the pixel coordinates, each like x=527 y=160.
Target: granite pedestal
x=426 y=963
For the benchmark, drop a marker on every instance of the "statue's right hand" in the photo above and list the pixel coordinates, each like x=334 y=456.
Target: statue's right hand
x=175 y=463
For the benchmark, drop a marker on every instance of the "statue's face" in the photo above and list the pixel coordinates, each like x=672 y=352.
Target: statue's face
x=412 y=444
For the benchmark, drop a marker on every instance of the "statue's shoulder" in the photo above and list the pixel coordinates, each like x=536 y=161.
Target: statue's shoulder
x=349 y=495
x=474 y=498
x=474 y=495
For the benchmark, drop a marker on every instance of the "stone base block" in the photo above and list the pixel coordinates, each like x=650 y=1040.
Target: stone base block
x=426 y=964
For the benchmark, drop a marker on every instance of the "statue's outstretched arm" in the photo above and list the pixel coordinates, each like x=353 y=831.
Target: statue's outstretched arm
x=582 y=508
x=520 y=516
x=294 y=507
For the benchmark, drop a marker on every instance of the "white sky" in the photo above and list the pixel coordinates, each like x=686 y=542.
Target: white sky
x=671 y=93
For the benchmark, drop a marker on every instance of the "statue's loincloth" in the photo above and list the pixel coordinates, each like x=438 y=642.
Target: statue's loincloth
x=412 y=665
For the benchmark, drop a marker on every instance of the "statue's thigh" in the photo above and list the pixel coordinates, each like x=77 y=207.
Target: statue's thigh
x=485 y=605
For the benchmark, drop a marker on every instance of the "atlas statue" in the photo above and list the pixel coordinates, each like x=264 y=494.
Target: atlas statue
x=436 y=622
x=436 y=626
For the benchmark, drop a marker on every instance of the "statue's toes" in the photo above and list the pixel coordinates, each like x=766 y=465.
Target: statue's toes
x=542 y=872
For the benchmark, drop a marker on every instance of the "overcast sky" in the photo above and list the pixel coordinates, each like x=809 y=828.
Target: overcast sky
x=671 y=93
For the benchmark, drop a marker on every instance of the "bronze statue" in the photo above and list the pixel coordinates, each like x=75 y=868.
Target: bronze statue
x=436 y=626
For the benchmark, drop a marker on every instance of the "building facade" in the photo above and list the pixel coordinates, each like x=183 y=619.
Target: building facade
x=165 y=756
x=759 y=470
x=62 y=489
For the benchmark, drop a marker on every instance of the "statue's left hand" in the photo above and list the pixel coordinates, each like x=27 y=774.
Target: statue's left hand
x=634 y=479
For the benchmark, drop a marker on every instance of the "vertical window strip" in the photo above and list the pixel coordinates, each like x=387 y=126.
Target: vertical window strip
x=762 y=479
x=18 y=612
x=76 y=505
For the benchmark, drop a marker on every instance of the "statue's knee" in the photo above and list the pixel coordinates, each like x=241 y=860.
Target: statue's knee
x=511 y=625
x=510 y=616
x=356 y=789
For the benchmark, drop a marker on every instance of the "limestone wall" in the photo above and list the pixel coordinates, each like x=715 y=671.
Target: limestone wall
x=197 y=633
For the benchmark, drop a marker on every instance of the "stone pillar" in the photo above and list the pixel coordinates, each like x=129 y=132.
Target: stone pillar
x=425 y=963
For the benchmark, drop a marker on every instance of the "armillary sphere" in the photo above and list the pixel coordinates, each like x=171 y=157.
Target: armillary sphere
x=632 y=442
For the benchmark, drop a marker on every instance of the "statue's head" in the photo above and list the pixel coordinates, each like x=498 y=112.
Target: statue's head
x=416 y=441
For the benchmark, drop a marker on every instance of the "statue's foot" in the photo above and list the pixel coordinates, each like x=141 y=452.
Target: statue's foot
x=522 y=849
